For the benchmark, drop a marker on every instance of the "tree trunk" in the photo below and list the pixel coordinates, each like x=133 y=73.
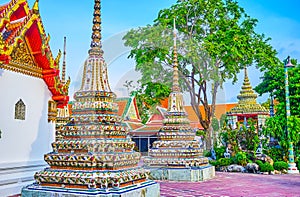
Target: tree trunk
x=209 y=138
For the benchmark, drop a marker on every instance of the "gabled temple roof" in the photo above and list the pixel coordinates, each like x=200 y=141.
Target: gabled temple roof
x=129 y=112
x=125 y=103
x=24 y=47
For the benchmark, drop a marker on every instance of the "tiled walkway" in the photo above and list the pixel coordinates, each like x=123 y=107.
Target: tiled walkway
x=235 y=185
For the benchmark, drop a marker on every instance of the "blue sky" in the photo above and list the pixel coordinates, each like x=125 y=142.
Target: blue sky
x=72 y=18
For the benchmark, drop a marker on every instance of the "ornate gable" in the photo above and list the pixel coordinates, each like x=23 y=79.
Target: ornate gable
x=23 y=62
x=24 y=47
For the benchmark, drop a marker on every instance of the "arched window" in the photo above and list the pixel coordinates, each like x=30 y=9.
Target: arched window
x=20 y=109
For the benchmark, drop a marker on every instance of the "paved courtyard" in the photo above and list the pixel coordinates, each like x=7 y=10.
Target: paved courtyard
x=235 y=185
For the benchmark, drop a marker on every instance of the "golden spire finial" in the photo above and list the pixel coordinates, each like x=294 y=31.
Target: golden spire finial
x=246 y=72
x=35 y=7
x=247 y=91
x=96 y=46
x=63 y=74
x=175 y=87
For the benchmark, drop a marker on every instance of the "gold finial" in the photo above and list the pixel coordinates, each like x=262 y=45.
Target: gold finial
x=35 y=7
x=175 y=87
x=96 y=46
x=246 y=72
x=63 y=77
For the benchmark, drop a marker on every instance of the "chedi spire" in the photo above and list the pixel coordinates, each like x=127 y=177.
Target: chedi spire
x=95 y=75
x=96 y=45
x=176 y=146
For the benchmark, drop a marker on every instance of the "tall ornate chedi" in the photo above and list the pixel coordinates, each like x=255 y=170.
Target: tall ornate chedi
x=247 y=106
x=176 y=146
x=93 y=153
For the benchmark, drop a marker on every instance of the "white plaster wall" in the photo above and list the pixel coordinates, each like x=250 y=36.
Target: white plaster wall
x=26 y=141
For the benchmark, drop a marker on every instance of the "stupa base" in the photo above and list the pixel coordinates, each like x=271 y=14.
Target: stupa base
x=182 y=174
x=292 y=169
x=148 y=188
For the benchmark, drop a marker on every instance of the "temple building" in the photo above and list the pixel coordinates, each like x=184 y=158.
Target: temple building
x=93 y=154
x=145 y=136
x=247 y=107
x=32 y=92
x=176 y=155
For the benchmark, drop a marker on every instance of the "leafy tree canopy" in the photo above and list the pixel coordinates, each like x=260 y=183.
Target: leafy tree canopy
x=273 y=82
x=216 y=38
x=149 y=96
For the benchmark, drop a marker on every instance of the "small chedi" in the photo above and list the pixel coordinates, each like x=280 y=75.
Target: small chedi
x=247 y=106
x=176 y=146
x=93 y=153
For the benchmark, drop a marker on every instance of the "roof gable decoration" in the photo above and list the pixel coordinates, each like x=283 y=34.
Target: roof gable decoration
x=22 y=32
x=128 y=108
x=132 y=112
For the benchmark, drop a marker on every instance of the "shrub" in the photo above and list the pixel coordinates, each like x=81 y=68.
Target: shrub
x=214 y=163
x=280 y=165
x=224 y=161
x=207 y=153
x=259 y=162
x=275 y=153
x=250 y=156
x=220 y=151
x=240 y=158
x=266 y=167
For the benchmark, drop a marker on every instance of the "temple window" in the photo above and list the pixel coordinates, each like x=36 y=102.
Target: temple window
x=20 y=109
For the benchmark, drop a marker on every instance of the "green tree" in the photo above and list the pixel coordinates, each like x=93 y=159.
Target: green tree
x=216 y=127
x=275 y=127
x=273 y=82
x=149 y=96
x=216 y=38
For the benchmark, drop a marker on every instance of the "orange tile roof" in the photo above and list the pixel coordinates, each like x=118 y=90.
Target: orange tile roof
x=219 y=111
x=155 y=118
x=143 y=133
x=149 y=128
x=122 y=106
x=135 y=126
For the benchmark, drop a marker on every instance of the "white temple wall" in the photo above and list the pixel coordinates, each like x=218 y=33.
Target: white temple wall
x=23 y=143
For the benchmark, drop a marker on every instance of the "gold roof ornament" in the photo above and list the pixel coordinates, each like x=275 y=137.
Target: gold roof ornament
x=63 y=74
x=35 y=7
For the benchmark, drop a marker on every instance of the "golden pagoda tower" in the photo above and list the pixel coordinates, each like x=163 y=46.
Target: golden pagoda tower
x=176 y=152
x=247 y=106
x=93 y=154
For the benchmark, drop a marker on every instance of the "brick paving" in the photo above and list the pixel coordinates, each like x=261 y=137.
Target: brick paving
x=235 y=185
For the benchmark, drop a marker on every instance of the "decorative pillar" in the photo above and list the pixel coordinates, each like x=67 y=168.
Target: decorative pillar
x=272 y=106
x=292 y=168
